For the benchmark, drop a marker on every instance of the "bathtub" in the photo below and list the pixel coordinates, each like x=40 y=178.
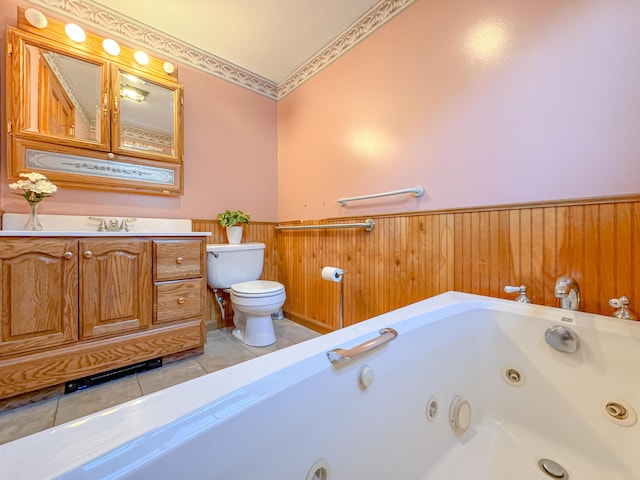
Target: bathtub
x=293 y=415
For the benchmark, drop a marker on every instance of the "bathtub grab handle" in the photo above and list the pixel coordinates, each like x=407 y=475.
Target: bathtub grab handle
x=338 y=355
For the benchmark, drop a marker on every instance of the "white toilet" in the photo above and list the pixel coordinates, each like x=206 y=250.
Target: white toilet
x=236 y=269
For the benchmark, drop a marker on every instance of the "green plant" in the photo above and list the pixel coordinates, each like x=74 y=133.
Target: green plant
x=229 y=218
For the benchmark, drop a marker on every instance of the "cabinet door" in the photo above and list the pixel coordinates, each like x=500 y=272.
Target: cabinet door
x=39 y=290
x=115 y=286
x=146 y=115
x=58 y=95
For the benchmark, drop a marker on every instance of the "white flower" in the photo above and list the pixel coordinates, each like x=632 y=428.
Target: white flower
x=35 y=188
x=33 y=176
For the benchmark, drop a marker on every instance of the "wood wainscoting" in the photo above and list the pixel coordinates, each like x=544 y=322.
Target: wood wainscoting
x=410 y=257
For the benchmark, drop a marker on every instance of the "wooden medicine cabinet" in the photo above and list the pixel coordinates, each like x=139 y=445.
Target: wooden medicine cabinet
x=89 y=119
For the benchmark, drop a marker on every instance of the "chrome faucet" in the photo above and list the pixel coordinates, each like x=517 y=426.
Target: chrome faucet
x=102 y=227
x=568 y=292
x=622 y=305
x=522 y=290
x=112 y=225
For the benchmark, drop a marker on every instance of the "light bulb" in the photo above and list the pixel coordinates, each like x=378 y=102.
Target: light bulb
x=75 y=32
x=111 y=46
x=36 y=18
x=168 y=67
x=141 y=57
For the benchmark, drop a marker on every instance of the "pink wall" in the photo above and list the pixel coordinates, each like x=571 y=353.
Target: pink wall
x=230 y=155
x=481 y=102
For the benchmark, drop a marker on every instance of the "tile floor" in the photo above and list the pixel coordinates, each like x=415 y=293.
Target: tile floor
x=221 y=350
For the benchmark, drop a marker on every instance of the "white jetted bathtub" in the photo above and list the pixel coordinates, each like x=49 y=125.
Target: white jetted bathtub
x=469 y=389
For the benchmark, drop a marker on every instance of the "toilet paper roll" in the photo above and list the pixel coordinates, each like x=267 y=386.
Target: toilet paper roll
x=333 y=274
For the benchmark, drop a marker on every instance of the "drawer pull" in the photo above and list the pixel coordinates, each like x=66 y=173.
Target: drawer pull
x=179 y=260
x=180 y=300
x=88 y=254
x=68 y=255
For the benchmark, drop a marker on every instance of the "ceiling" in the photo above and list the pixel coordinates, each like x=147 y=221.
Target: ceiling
x=270 y=38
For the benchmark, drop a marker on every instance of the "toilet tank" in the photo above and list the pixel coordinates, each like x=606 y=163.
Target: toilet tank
x=228 y=264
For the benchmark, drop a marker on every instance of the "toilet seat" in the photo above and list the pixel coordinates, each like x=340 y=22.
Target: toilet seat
x=257 y=289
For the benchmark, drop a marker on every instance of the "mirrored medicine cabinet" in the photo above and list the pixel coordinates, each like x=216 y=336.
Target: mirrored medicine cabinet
x=89 y=119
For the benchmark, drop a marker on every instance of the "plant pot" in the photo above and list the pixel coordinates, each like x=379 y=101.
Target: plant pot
x=234 y=235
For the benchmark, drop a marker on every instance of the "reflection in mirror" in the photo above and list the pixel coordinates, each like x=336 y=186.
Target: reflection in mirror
x=147 y=114
x=63 y=95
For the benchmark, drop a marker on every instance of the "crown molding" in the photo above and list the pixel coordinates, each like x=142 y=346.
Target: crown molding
x=126 y=29
x=373 y=19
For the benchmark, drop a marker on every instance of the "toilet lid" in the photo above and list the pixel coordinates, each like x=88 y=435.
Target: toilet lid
x=257 y=288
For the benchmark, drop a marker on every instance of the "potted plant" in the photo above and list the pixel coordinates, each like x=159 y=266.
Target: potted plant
x=233 y=221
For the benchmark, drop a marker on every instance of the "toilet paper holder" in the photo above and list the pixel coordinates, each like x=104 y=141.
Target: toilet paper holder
x=334 y=274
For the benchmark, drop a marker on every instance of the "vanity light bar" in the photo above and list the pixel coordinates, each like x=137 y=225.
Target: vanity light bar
x=34 y=21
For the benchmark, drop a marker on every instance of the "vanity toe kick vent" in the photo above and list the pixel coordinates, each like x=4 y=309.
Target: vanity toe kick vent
x=100 y=378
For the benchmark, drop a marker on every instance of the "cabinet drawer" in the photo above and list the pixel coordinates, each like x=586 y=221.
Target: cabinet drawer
x=175 y=259
x=178 y=300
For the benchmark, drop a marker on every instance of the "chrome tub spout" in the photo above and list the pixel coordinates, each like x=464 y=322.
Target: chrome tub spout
x=568 y=292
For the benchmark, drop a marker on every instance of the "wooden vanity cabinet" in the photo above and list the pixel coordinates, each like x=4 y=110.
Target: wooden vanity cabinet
x=115 y=286
x=74 y=307
x=39 y=294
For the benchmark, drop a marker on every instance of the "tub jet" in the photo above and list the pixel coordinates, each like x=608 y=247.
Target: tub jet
x=552 y=469
x=319 y=471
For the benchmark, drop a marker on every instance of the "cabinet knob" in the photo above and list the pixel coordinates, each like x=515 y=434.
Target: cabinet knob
x=180 y=300
x=68 y=255
x=88 y=254
x=179 y=260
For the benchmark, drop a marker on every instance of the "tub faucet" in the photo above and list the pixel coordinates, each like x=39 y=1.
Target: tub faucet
x=622 y=305
x=568 y=292
x=522 y=290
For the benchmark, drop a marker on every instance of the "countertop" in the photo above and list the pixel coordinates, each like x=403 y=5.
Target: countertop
x=69 y=233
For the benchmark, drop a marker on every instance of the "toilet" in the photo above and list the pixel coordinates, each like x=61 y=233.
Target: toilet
x=236 y=269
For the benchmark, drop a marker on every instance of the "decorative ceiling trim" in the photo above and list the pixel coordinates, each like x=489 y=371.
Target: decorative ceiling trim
x=129 y=30
x=377 y=16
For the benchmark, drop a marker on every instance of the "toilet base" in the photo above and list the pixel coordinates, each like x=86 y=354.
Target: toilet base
x=258 y=332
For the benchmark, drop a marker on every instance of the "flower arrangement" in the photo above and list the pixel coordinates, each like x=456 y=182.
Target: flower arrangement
x=35 y=188
x=230 y=219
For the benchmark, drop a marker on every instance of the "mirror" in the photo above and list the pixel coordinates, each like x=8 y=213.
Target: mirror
x=61 y=96
x=90 y=119
x=68 y=99
x=146 y=111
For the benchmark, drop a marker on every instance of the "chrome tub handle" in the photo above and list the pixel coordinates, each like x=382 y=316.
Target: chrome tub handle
x=338 y=355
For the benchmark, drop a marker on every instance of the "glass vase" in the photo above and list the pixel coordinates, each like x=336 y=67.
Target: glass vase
x=33 y=223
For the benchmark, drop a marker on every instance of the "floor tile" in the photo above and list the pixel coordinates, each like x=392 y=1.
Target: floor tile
x=223 y=352
x=94 y=399
x=27 y=420
x=169 y=375
x=281 y=342
x=293 y=332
